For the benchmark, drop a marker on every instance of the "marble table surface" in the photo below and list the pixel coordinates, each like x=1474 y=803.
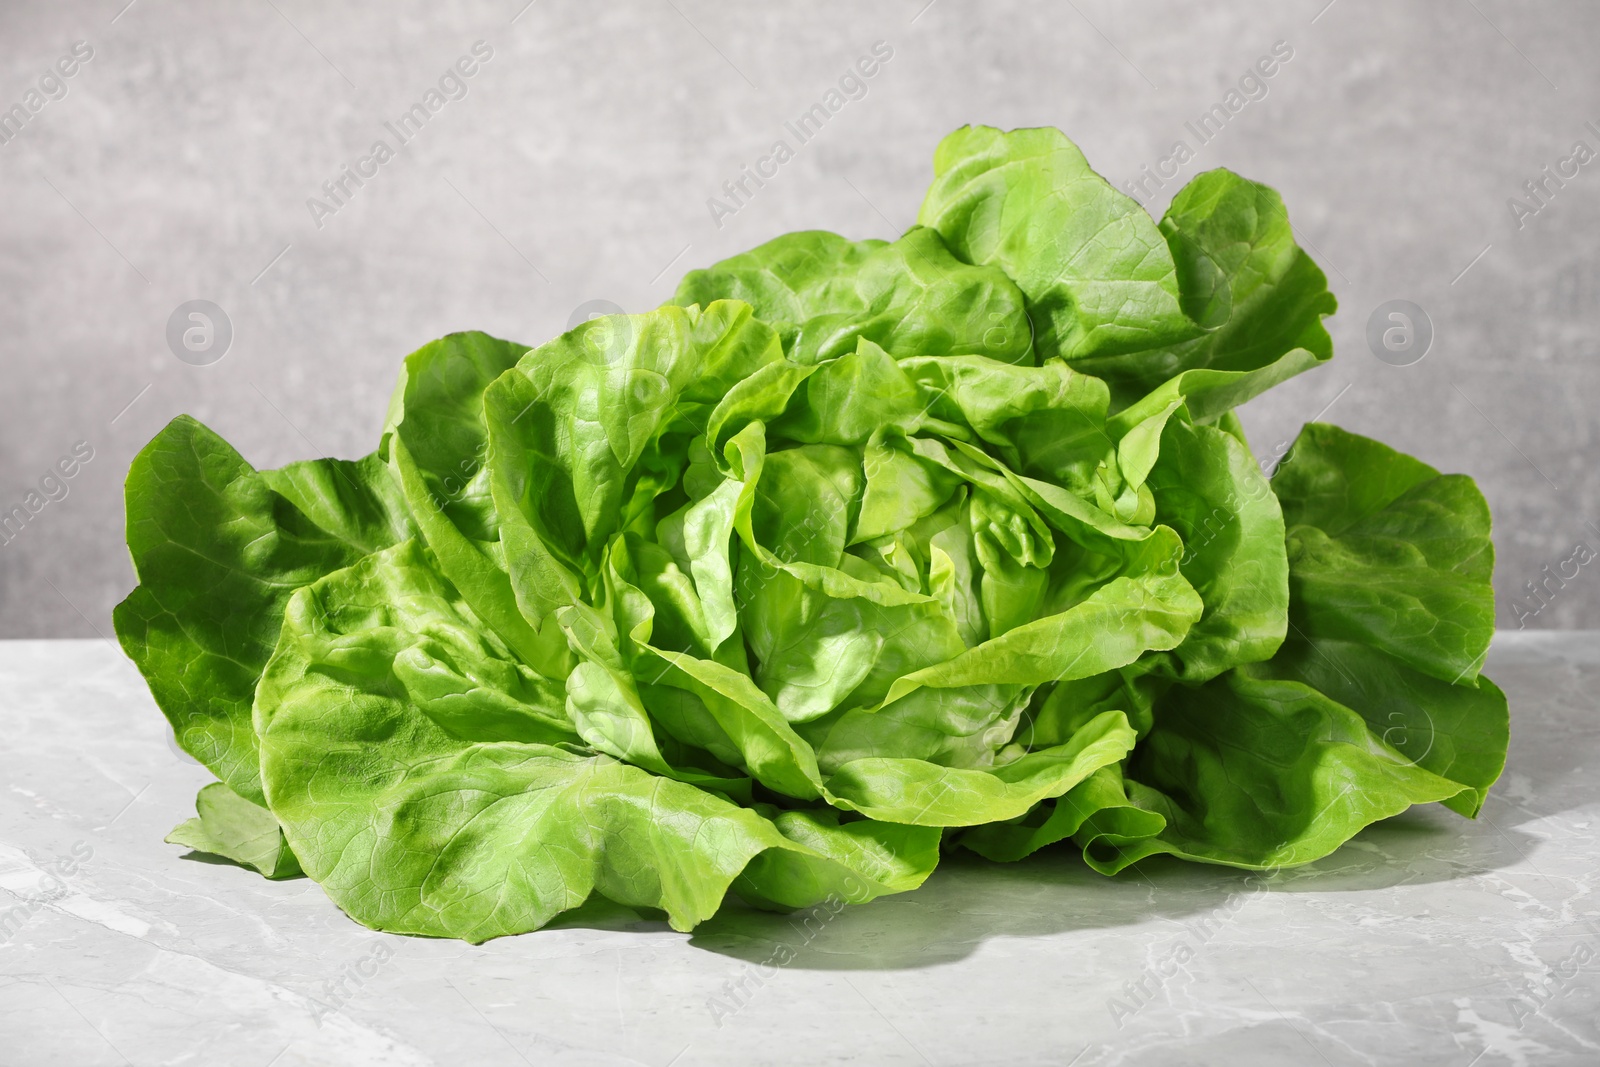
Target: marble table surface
x=1426 y=940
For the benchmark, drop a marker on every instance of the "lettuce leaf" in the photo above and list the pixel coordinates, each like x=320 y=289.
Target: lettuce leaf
x=229 y=826
x=823 y=292
x=1374 y=702
x=1098 y=277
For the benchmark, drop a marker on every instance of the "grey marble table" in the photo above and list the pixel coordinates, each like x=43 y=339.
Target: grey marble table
x=1426 y=940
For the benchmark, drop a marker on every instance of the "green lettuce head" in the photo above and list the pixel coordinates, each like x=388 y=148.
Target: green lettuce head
x=853 y=551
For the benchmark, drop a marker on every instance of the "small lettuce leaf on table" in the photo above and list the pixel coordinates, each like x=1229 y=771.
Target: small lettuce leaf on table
x=229 y=826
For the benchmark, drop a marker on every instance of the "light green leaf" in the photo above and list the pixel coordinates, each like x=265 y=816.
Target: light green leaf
x=218 y=552
x=1208 y=487
x=1097 y=808
x=439 y=447
x=1098 y=277
x=237 y=829
x=924 y=794
x=1258 y=296
x=822 y=293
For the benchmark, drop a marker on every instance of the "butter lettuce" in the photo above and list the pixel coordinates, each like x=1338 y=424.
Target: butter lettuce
x=852 y=552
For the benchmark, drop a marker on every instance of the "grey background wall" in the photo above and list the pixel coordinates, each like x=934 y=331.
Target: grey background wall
x=178 y=163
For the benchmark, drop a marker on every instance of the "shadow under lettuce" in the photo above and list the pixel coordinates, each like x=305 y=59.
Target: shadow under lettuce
x=970 y=900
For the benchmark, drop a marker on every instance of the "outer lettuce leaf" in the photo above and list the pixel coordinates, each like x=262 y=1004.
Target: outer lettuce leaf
x=1385 y=551
x=218 y=551
x=357 y=501
x=1258 y=296
x=1372 y=705
x=1251 y=772
x=1098 y=278
x=1459 y=732
x=869 y=859
x=1390 y=566
x=1097 y=807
